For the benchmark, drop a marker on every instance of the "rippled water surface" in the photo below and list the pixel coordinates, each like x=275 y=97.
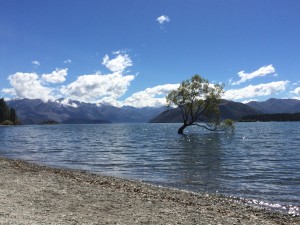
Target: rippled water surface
x=258 y=161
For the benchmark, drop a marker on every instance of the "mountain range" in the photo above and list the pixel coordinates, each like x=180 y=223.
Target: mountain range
x=236 y=110
x=228 y=110
x=274 y=105
x=36 y=111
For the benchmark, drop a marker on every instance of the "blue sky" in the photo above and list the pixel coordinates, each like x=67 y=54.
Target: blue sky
x=134 y=52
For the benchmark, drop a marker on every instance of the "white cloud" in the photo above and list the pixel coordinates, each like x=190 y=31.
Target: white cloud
x=263 y=71
x=121 y=51
x=110 y=100
x=36 y=63
x=256 y=90
x=249 y=100
x=68 y=61
x=68 y=102
x=296 y=91
x=118 y=64
x=153 y=97
x=94 y=87
x=28 y=85
x=57 y=76
x=163 y=19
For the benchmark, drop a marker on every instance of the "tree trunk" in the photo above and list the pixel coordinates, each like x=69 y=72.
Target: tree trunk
x=180 y=130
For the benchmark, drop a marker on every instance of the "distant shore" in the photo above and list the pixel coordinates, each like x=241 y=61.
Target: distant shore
x=34 y=194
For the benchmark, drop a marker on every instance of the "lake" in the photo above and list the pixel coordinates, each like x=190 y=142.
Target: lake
x=259 y=162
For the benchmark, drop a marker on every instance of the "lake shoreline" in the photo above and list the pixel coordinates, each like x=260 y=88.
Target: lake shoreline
x=32 y=194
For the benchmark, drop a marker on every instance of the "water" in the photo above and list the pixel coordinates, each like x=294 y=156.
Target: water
x=259 y=162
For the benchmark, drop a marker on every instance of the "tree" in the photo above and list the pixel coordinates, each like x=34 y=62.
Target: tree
x=7 y=115
x=13 y=116
x=199 y=104
x=4 y=111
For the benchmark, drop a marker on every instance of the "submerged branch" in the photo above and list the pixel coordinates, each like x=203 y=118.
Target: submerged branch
x=208 y=127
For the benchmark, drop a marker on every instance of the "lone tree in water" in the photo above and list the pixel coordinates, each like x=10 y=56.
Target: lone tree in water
x=199 y=104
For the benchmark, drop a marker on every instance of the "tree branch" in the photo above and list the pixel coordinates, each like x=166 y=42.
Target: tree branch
x=197 y=114
x=203 y=111
x=210 y=128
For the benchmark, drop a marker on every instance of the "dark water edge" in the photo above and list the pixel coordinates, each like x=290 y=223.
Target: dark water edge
x=258 y=161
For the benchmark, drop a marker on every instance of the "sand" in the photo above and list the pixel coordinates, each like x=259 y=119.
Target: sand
x=35 y=194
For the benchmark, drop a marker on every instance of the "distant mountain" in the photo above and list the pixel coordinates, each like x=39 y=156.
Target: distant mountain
x=274 y=105
x=235 y=110
x=36 y=111
x=229 y=110
x=169 y=116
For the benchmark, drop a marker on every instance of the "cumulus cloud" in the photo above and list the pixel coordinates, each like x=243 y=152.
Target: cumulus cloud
x=296 y=91
x=263 y=71
x=153 y=97
x=28 y=85
x=36 y=63
x=163 y=19
x=103 y=89
x=256 y=90
x=110 y=100
x=118 y=64
x=57 y=76
x=94 y=87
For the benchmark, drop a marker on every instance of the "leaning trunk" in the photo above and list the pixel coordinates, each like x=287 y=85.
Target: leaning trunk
x=180 y=130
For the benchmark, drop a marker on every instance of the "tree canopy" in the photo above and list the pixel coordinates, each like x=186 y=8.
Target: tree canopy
x=199 y=104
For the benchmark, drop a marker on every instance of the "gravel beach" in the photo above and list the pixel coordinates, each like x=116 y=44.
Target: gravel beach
x=35 y=194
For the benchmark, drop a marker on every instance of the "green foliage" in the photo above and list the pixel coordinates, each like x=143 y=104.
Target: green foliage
x=7 y=114
x=4 y=111
x=228 y=124
x=7 y=122
x=199 y=102
x=280 y=117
